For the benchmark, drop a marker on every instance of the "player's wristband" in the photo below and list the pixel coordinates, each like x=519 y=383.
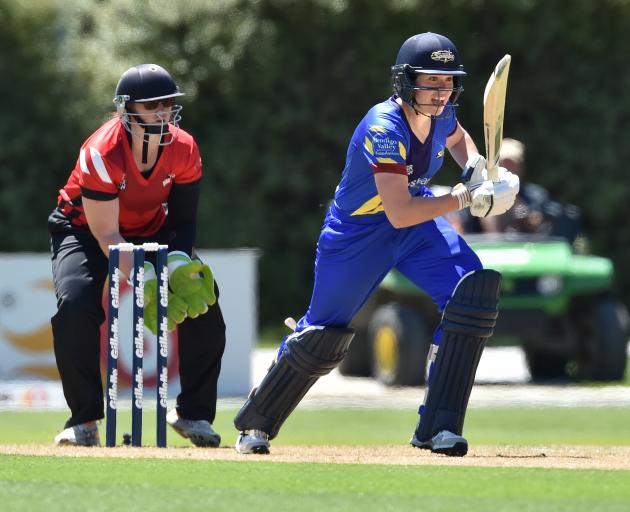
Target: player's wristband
x=461 y=192
x=177 y=259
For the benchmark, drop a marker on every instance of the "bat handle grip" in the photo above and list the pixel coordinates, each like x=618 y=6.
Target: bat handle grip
x=493 y=173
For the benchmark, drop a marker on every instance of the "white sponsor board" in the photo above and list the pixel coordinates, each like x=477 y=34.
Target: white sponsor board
x=28 y=373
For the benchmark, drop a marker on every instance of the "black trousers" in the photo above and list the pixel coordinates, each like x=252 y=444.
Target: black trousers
x=79 y=272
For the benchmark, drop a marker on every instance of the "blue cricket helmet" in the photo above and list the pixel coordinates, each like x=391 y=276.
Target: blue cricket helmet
x=427 y=53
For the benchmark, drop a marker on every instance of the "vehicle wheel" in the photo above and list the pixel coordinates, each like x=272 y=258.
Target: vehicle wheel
x=400 y=341
x=358 y=361
x=609 y=340
x=545 y=365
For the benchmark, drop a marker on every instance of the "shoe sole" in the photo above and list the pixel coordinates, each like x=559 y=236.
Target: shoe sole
x=457 y=450
x=204 y=442
x=256 y=450
x=259 y=449
x=200 y=441
x=68 y=443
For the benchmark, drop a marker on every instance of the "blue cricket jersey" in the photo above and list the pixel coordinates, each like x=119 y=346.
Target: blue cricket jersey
x=385 y=137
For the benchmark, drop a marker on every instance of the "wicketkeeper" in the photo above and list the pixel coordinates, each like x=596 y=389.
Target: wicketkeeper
x=384 y=216
x=137 y=179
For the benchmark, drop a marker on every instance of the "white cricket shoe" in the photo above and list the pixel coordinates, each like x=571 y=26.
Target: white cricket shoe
x=252 y=441
x=200 y=432
x=85 y=434
x=443 y=442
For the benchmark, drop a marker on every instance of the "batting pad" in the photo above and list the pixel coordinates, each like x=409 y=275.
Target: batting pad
x=468 y=321
x=307 y=356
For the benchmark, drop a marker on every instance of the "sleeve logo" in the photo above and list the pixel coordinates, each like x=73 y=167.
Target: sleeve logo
x=384 y=146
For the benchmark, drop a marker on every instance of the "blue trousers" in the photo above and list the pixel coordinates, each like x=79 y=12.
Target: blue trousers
x=355 y=253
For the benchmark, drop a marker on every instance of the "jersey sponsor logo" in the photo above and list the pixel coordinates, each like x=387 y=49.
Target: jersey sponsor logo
x=443 y=56
x=418 y=182
x=440 y=154
x=384 y=146
x=166 y=181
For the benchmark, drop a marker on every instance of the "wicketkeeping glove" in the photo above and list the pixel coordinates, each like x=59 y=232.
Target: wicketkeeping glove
x=192 y=281
x=176 y=312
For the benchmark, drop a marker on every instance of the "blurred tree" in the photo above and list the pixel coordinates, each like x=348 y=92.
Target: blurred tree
x=275 y=89
x=42 y=124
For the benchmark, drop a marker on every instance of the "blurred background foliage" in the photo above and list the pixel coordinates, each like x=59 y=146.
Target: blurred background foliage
x=275 y=89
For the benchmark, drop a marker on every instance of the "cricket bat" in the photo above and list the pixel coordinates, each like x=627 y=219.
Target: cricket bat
x=493 y=111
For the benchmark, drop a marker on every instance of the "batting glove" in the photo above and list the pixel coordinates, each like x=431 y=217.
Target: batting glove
x=475 y=170
x=488 y=198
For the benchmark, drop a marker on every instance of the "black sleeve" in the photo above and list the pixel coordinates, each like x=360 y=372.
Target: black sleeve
x=182 y=216
x=97 y=196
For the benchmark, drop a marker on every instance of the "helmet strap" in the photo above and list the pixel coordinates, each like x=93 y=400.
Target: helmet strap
x=412 y=103
x=145 y=149
x=148 y=131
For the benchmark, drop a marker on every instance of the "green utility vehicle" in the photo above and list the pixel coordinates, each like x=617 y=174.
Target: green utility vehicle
x=556 y=304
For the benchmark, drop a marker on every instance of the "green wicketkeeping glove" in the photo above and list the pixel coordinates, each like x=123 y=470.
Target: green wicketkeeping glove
x=192 y=281
x=177 y=308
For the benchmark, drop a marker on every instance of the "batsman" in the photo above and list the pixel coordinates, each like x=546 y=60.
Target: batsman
x=384 y=216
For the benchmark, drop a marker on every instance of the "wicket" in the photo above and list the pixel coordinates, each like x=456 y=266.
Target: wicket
x=138 y=340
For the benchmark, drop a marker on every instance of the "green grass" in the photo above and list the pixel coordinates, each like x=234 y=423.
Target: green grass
x=65 y=484
x=604 y=426
x=52 y=484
